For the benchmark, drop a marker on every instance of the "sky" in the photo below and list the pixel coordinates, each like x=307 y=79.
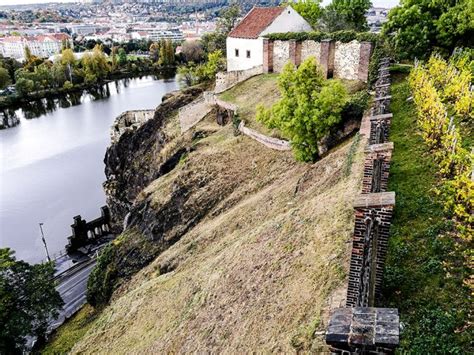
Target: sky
x=379 y=3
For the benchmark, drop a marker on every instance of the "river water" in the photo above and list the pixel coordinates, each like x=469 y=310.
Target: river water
x=51 y=166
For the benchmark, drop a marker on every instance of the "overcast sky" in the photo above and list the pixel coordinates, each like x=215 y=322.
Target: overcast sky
x=380 y=3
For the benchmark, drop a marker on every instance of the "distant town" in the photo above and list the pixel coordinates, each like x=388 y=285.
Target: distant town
x=44 y=28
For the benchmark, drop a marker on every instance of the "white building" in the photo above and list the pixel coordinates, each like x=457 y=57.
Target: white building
x=245 y=41
x=41 y=46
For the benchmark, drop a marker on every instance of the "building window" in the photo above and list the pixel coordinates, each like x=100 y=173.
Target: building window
x=236 y=52
x=248 y=54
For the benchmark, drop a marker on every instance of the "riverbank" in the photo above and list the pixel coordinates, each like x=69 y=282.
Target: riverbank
x=52 y=167
x=14 y=101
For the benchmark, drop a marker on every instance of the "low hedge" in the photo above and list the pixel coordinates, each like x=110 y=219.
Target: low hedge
x=341 y=36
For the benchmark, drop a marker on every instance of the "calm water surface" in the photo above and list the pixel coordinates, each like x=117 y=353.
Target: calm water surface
x=51 y=167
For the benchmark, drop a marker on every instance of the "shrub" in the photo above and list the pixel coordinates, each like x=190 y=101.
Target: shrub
x=355 y=107
x=310 y=106
x=67 y=85
x=117 y=262
x=318 y=36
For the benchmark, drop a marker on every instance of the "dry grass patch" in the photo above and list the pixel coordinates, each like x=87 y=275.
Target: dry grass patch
x=258 y=273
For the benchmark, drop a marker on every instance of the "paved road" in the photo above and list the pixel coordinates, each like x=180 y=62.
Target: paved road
x=72 y=289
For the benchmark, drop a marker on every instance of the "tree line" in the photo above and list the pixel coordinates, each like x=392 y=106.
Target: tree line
x=68 y=71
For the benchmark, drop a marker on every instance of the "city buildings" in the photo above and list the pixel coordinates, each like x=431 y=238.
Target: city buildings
x=44 y=45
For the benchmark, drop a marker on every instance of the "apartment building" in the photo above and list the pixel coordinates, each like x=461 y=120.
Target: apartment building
x=43 y=46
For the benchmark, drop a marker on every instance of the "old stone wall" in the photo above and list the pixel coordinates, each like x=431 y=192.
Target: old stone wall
x=226 y=80
x=340 y=60
x=129 y=120
x=192 y=113
x=269 y=142
x=346 y=60
x=281 y=55
x=310 y=49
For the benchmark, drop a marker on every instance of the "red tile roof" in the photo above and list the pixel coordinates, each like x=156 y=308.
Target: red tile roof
x=257 y=20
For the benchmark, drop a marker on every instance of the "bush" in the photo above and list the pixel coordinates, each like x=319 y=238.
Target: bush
x=310 y=106
x=117 y=262
x=355 y=107
x=342 y=36
x=67 y=85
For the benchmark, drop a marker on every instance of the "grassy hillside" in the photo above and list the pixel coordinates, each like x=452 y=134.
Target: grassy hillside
x=424 y=273
x=258 y=272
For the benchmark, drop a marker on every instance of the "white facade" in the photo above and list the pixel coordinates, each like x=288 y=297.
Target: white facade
x=246 y=53
x=288 y=21
x=41 y=46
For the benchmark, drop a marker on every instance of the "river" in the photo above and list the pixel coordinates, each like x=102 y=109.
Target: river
x=51 y=167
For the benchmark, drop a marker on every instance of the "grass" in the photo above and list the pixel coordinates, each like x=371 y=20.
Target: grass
x=71 y=331
x=261 y=89
x=259 y=273
x=424 y=271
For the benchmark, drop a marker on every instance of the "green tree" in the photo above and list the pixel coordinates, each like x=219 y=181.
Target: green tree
x=417 y=27
x=310 y=9
x=215 y=63
x=154 y=52
x=214 y=41
x=122 y=57
x=4 y=78
x=192 y=51
x=68 y=59
x=309 y=107
x=227 y=18
x=346 y=15
x=28 y=299
x=24 y=86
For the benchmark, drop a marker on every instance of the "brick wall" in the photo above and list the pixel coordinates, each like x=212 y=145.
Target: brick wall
x=377 y=168
x=373 y=211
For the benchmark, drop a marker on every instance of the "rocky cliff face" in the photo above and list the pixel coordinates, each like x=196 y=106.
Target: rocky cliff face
x=135 y=159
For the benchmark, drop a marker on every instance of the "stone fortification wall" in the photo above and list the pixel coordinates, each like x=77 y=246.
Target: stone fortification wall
x=310 y=49
x=281 y=55
x=269 y=142
x=340 y=60
x=346 y=60
x=226 y=80
x=192 y=113
x=129 y=121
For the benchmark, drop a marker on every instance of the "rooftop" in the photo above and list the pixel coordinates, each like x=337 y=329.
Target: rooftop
x=256 y=21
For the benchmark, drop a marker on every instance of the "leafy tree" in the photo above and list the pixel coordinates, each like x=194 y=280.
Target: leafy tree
x=166 y=53
x=309 y=107
x=154 y=52
x=192 y=51
x=215 y=63
x=122 y=57
x=114 y=56
x=187 y=75
x=214 y=41
x=346 y=15
x=24 y=86
x=4 y=78
x=227 y=18
x=310 y=9
x=58 y=74
x=416 y=27
x=28 y=299
x=68 y=59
